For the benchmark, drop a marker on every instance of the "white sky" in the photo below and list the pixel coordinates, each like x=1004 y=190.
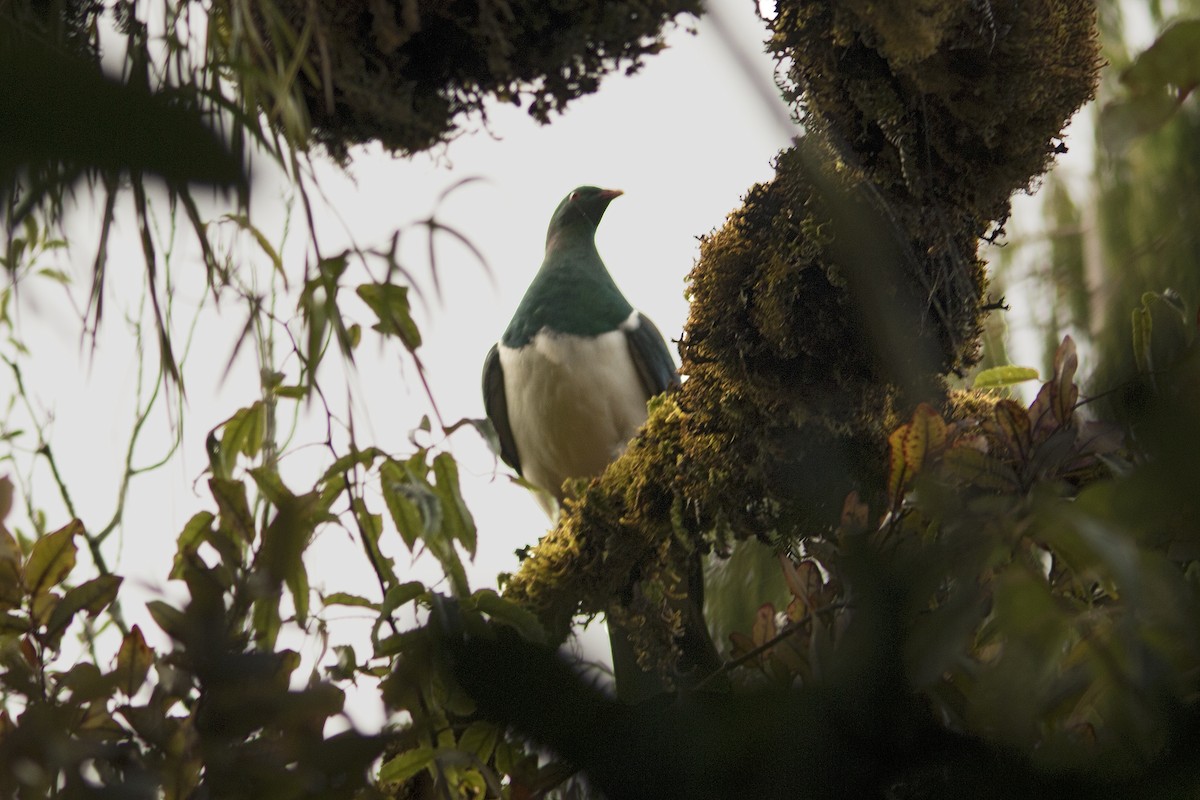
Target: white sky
x=684 y=138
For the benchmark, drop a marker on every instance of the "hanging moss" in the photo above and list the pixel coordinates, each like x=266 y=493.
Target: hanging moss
x=406 y=72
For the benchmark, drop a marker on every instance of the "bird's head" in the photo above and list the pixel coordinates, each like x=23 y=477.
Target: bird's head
x=580 y=210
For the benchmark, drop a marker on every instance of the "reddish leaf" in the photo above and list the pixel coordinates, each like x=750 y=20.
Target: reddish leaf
x=1054 y=406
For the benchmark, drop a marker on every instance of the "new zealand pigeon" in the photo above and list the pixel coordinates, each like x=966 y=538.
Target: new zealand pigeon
x=566 y=386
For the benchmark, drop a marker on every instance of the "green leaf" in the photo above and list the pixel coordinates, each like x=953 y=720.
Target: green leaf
x=87 y=684
x=1173 y=59
x=169 y=618
x=243 y=432
x=391 y=307
x=266 y=621
x=412 y=503
x=503 y=610
x=346 y=666
x=52 y=558
x=92 y=597
x=479 y=739
x=193 y=535
x=371 y=526
x=405 y=765
x=284 y=541
x=270 y=485
x=399 y=642
x=347 y=599
x=1124 y=121
x=243 y=222
x=1157 y=83
x=56 y=275
x=234 y=508
x=357 y=458
x=394 y=599
x=13 y=623
x=291 y=392
x=966 y=465
x=999 y=377
x=457 y=521
x=399 y=595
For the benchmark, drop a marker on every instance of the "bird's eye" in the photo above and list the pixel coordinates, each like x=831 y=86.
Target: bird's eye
x=574 y=196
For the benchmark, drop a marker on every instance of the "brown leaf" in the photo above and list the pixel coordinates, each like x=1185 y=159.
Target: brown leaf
x=52 y=558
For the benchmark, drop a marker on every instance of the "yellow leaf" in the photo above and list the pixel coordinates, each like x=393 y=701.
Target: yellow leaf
x=927 y=433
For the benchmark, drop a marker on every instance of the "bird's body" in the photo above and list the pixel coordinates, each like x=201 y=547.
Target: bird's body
x=573 y=403
x=566 y=386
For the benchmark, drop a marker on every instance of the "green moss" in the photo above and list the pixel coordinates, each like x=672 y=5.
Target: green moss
x=955 y=105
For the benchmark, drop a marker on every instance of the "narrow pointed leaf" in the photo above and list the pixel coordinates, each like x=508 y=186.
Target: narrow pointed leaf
x=1000 y=377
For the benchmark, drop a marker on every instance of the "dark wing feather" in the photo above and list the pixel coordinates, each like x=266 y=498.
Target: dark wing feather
x=495 y=403
x=651 y=357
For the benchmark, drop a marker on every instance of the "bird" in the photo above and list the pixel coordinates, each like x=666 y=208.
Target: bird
x=566 y=386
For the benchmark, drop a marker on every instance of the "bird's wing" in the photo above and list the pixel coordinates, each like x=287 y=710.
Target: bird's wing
x=495 y=403
x=651 y=356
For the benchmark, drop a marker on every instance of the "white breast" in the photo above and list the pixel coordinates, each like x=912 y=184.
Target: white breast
x=573 y=404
